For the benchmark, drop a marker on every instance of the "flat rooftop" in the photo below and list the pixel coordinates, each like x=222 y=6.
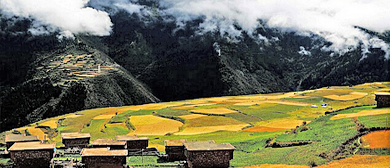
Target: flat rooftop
x=103 y=152
x=383 y=94
x=107 y=142
x=207 y=146
x=75 y=135
x=22 y=146
x=130 y=138
x=175 y=142
x=20 y=138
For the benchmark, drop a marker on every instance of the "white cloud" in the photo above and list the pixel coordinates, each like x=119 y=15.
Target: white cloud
x=69 y=16
x=334 y=20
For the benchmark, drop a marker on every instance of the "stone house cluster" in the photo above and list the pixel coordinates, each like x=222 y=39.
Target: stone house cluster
x=200 y=154
x=28 y=151
x=382 y=99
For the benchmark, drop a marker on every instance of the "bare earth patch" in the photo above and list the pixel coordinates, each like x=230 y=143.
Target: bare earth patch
x=362 y=113
x=153 y=125
x=377 y=139
x=262 y=129
x=350 y=96
x=359 y=161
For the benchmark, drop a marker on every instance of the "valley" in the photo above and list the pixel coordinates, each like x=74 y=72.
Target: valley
x=266 y=129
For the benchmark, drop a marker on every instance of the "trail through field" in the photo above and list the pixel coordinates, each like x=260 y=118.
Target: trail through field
x=377 y=139
x=362 y=113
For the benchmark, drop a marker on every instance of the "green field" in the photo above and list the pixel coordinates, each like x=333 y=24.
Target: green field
x=325 y=135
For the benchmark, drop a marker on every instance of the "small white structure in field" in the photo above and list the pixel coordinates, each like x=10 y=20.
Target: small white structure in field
x=323 y=105
x=99 y=68
x=314 y=106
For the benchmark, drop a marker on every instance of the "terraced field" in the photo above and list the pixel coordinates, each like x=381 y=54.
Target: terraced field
x=254 y=124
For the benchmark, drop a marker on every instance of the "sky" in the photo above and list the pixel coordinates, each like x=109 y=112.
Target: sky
x=334 y=20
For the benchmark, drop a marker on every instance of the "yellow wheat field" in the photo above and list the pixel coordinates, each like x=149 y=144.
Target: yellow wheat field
x=214 y=111
x=362 y=113
x=208 y=129
x=276 y=166
x=350 y=96
x=103 y=117
x=361 y=161
x=153 y=125
x=191 y=116
x=51 y=123
x=285 y=123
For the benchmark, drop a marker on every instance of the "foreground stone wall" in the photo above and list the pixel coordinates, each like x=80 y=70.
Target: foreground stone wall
x=203 y=159
x=32 y=159
x=104 y=161
x=112 y=147
x=382 y=100
x=137 y=145
x=175 y=153
x=81 y=143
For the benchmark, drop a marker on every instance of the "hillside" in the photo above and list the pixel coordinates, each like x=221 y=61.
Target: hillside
x=278 y=128
x=67 y=79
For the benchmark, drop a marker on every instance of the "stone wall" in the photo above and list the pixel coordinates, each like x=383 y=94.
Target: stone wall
x=175 y=153
x=112 y=147
x=137 y=145
x=32 y=158
x=104 y=161
x=203 y=159
x=382 y=100
x=81 y=143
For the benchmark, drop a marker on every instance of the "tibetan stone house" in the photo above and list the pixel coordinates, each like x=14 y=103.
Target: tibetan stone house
x=13 y=138
x=175 y=149
x=31 y=154
x=108 y=143
x=204 y=154
x=72 y=140
x=133 y=142
x=382 y=99
x=103 y=157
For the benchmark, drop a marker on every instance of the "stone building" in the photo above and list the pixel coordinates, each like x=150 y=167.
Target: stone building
x=108 y=143
x=204 y=154
x=382 y=99
x=12 y=138
x=75 y=139
x=31 y=154
x=133 y=142
x=175 y=149
x=103 y=157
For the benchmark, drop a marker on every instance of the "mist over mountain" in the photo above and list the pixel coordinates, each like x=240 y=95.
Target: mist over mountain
x=167 y=50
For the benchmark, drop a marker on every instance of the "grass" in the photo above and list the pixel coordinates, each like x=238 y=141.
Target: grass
x=375 y=120
x=173 y=112
x=146 y=160
x=267 y=111
x=243 y=118
x=96 y=129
